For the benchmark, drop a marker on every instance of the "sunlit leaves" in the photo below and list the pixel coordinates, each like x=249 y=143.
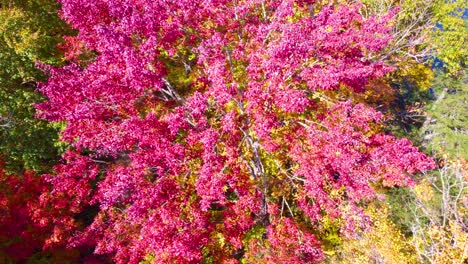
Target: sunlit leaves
x=202 y=129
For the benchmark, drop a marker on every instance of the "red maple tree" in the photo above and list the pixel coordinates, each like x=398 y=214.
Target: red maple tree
x=198 y=123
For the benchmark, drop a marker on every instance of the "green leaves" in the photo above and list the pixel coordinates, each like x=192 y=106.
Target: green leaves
x=29 y=33
x=451 y=35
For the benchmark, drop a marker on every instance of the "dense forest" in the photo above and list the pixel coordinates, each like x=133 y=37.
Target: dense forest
x=233 y=131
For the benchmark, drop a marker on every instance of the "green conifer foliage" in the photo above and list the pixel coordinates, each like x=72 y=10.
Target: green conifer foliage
x=446 y=128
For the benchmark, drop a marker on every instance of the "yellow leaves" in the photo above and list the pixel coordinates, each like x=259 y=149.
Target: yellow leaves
x=382 y=244
x=421 y=75
x=435 y=232
x=460 y=238
x=337 y=193
x=424 y=191
x=148 y=259
x=277 y=192
x=330 y=235
x=447 y=244
x=220 y=239
x=230 y=106
x=17 y=33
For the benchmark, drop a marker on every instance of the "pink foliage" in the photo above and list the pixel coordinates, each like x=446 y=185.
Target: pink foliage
x=158 y=176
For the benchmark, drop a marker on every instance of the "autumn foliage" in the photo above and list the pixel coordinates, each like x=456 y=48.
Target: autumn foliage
x=204 y=130
x=20 y=233
x=233 y=131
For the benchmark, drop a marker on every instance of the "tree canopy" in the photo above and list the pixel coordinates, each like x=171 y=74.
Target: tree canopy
x=232 y=131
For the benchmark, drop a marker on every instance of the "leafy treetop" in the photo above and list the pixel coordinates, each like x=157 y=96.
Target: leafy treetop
x=202 y=129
